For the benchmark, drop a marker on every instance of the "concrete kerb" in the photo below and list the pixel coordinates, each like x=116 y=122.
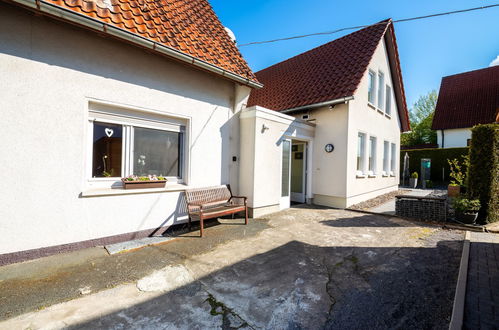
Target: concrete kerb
x=457 y=318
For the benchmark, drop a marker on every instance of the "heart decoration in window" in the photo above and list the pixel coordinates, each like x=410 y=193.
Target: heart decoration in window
x=109 y=132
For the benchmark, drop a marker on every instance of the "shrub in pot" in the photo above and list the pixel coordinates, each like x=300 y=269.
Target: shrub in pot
x=413 y=181
x=466 y=209
x=458 y=175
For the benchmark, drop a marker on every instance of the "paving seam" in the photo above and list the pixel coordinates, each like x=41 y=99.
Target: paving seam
x=456 y=322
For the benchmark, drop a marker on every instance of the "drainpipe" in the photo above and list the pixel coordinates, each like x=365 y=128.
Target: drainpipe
x=443 y=138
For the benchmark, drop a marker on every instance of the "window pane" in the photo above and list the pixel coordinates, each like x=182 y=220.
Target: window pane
x=156 y=152
x=386 y=155
x=372 y=154
x=107 y=155
x=360 y=152
x=286 y=152
x=370 y=92
x=381 y=86
x=388 y=96
x=393 y=158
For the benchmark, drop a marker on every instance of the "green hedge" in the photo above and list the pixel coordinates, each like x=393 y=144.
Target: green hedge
x=483 y=174
x=438 y=161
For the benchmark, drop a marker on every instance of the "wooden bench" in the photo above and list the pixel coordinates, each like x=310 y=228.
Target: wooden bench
x=212 y=202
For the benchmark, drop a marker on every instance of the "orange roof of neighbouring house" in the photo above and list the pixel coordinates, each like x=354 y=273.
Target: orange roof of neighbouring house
x=188 y=26
x=329 y=72
x=468 y=99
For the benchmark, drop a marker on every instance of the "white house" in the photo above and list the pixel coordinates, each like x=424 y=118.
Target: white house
x=465 y=100
x=351 y=90
x=94 y=90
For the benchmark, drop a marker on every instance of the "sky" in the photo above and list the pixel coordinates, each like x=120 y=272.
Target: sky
x=429 y=49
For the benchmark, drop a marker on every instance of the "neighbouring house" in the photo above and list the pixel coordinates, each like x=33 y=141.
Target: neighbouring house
x=351 y=91
x=95 y=90
x=465 y=100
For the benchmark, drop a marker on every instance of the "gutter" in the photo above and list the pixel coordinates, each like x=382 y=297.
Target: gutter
x=102 y=27
x=318 y=105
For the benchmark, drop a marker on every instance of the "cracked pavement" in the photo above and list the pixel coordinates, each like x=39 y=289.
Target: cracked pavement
x=309 y=267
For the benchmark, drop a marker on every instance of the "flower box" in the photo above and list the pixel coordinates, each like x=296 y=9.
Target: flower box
x=134 y=182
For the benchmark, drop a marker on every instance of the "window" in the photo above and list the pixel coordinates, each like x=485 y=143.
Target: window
x=388 y=103
x=393 y=158
x=381 y=89
x=372 y=155
x=386 y=157
x=285 y=174
x=371 y=87
x=130 y=142
x=360 y=153
x=107 y=153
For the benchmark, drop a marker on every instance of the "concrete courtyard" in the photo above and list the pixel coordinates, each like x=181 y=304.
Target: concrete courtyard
x=305 y=267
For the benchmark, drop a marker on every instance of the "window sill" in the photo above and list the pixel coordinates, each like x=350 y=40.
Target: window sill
x=96 y=192
x=385 y=175
x=381 y=112
x=361 y=176
x=370 y=105
x=372 y=176
x=388 y=116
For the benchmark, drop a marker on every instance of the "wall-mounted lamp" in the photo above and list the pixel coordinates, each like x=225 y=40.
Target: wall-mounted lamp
x=264 y=128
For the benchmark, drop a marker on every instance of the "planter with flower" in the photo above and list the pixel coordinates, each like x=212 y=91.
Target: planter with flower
x=466 y=209
x=140 y=182
x=458 y=175
x=413 y=181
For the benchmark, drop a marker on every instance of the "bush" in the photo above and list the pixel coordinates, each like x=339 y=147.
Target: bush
x=465 y=205
x=414 y=175
x=439 y=161
x=483 y=172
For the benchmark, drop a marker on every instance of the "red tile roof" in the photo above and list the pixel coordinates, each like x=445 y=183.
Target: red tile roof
x=468 y=99
x=188 y=26
x=329 y=72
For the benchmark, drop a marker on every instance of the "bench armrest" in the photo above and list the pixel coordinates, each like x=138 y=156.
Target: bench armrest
x=245 y=199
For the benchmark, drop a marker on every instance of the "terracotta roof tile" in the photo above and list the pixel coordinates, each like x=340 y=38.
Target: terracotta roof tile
x=328 y=72
x=190 y=26
x=468 y=99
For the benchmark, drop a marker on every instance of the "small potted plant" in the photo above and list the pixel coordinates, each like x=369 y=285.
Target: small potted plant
x=413 y=181
x=139 y=182
x=458 y=175
x=466 y=209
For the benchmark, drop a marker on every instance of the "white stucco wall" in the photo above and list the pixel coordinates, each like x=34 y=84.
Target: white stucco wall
x=261 y=155
x=373 y=122
x=454 y=138
x=49 y=71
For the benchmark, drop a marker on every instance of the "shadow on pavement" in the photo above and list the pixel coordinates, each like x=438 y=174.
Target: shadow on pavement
x=299 y=285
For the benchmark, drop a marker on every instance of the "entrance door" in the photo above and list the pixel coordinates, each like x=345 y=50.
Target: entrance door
x=285 y=174
x=298 y=171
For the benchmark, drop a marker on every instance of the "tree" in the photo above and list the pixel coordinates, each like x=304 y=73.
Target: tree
x=421 y=117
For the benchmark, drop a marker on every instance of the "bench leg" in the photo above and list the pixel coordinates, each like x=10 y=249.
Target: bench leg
x=246 y=215
x=189 y=225
x=201 y=222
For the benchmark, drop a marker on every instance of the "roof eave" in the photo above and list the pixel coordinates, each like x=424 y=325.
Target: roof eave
x=123 y=35
x=318 y=105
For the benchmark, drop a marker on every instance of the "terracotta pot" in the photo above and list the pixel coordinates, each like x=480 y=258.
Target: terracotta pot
x=143 y=184
x=453 y=191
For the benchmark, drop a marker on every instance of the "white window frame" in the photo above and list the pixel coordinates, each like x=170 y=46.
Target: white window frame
x=386 y=158
x=393 y=159
x=388 y=100
x=381 y=90
x=371 y=165
x=371 y=78
x=360 y=172
x=133 y=117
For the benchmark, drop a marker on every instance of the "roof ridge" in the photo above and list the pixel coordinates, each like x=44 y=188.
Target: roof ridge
x=472 y=71
x=388 y=20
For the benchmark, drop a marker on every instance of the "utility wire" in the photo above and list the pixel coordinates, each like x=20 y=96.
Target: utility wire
x=363 y=26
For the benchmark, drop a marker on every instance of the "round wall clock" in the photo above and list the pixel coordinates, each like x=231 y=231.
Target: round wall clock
x=329 y=147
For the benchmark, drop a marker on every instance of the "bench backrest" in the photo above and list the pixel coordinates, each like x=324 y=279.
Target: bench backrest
x=208 y=195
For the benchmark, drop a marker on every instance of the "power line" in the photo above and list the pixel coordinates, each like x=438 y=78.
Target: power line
x=363 y=26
